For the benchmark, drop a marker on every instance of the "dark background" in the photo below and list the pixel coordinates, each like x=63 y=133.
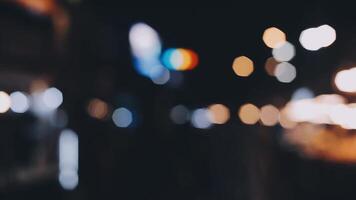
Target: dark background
x=157 y=159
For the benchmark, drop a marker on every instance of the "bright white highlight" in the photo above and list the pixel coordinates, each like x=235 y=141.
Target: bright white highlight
x=144 y=41
x=314 y=39
x=345 y=80
x=5 y=102
x=68 y=159
x=323 y=109
x=52 y=98
x=19 y=102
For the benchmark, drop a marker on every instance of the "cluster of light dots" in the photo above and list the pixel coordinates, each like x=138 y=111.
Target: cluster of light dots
x=146 y=49
x=314 y=39
x=323 y=109
x=284 y=72
x=243 y=66
x=283 y=51
x=267 y=115
x=98 y=109
x=19 y=102
x=45 y=101
x=201 y=118
x=149 y=61
x=180 y=59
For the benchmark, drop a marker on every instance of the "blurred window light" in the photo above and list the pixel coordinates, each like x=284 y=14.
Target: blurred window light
x=220 y=113
x=19 y=102
x=52 y=98
x=180 y=59
x=302 y=93
x=122 y=117
x=249 y=114
x=284 y=52
x=243 y=66
x=179 y=114
x=98 y=109
x=5 y=102
x=201 y=118
x=285 y=72
x=273 y=37
x=345 y=80
x=271 y=65
x=269 y=115
x=314 y=39
x=68 y=159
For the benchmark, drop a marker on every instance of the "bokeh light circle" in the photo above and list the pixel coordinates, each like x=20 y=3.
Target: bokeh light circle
x=5 y=102
x=122 y=117
x=249 y=114
x=19 y=102
x=284 y=52
x=285 y=72
x=269 y=115
x=273 y=37
x=180 y=59
x=243 y=66
x=201 y=118
x=220 y=113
